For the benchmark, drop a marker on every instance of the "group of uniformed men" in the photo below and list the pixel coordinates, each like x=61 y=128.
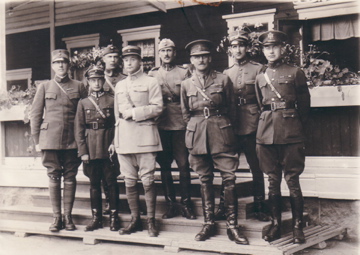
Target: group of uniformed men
x=198 y=117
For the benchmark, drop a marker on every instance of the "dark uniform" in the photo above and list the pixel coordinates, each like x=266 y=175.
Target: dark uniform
x=94 y=133
x=172 y=133
x=112 y=77
x=56 y=100
x=210 y=138
x=280 y=135
x=242 y=74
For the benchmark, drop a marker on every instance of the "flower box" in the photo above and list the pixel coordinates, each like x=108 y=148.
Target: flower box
x=16 y=112
x=332 y=96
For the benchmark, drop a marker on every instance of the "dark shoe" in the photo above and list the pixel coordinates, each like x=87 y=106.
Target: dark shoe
x=171 y=212
x=68 y=223
x=298 y=233
x=273 y=233
x=57 y=225
x=95 y=223
x=206 y=232
x=135 y=225
x=234 y=234
x=152 y=230
x=187 y=212
x=114 y=221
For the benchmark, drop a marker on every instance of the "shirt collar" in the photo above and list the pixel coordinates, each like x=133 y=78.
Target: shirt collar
x=168 y=67
x=61 y=79
x=135 y=75
x=97 y=94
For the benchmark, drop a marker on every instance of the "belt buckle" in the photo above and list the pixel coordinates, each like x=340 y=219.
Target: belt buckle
x=95 y=125
x=242 y=101
x=206 y=112
x=273 y=106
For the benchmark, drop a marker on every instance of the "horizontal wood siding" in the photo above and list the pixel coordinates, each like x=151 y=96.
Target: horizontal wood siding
x=333 y=131
x=28 y=16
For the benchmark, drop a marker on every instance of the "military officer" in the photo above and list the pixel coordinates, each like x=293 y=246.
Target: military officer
x=94 y=133
x=138 y=102
x=110 y=58
x=56 y=100
x=285 y=103
x=172 y=131
x=242 y=74
x=207 y=104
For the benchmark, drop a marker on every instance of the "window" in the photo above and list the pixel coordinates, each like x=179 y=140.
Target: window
x=81 y=44
x=147 y=38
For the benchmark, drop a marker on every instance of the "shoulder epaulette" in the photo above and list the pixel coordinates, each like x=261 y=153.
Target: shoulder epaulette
x=181 y=66
x=255 y=63
x=263 y=68
x=155 y=68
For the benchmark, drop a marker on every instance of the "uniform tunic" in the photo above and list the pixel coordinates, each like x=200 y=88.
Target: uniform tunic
x=56 y=130
x=243 y=76
x=92 y=141
x=171 y=117
x=214 y=134
x=283 y=126
x=112 y=78
x=139 y=134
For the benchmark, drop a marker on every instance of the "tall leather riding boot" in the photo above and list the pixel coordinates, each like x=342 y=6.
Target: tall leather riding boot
x=113 y=200
x=169 y=193
x=55 y=199
x=95 y=199
x=274 y=231
x=207 y=197
x=220 y=213
x=105 y=186
x=231 y=206
x=69 y=197
x=150 y=199
x=260 y=209
x=297 y=208
x=133 y=200
x=186 y=204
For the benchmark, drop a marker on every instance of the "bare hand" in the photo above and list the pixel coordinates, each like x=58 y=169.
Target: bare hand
x=85 y=158
x=111 y=149
x=127 y=114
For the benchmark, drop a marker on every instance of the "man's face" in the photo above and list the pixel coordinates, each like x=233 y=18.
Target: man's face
x=273 y=52
x=132 y=64
x=238 y=50
x=111 y=61
x=167 y=55
x=60 y=67
x=201 y=62
x=96 y=84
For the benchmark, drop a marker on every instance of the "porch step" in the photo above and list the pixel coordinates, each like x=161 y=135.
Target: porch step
x=251 y=227
x=175 y=241
x=243 y=186
x=82 y=201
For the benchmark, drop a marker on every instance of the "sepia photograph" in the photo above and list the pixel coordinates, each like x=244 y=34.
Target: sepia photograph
x=179 y=126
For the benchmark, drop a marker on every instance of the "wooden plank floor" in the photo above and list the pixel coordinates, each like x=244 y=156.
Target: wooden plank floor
x=174 y=241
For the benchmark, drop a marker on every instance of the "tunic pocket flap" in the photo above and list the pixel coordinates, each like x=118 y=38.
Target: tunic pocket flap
x=140 y=88
x=285 y=80
x=44 y=125
x=289 y=114
x=191 y=126
x=191 y=93
x=50 y=95
x=250 y=82
x=225 y=126
x=74 y=95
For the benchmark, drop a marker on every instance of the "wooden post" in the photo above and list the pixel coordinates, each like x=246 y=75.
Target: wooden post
x=52 y=29
x=3 y=85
